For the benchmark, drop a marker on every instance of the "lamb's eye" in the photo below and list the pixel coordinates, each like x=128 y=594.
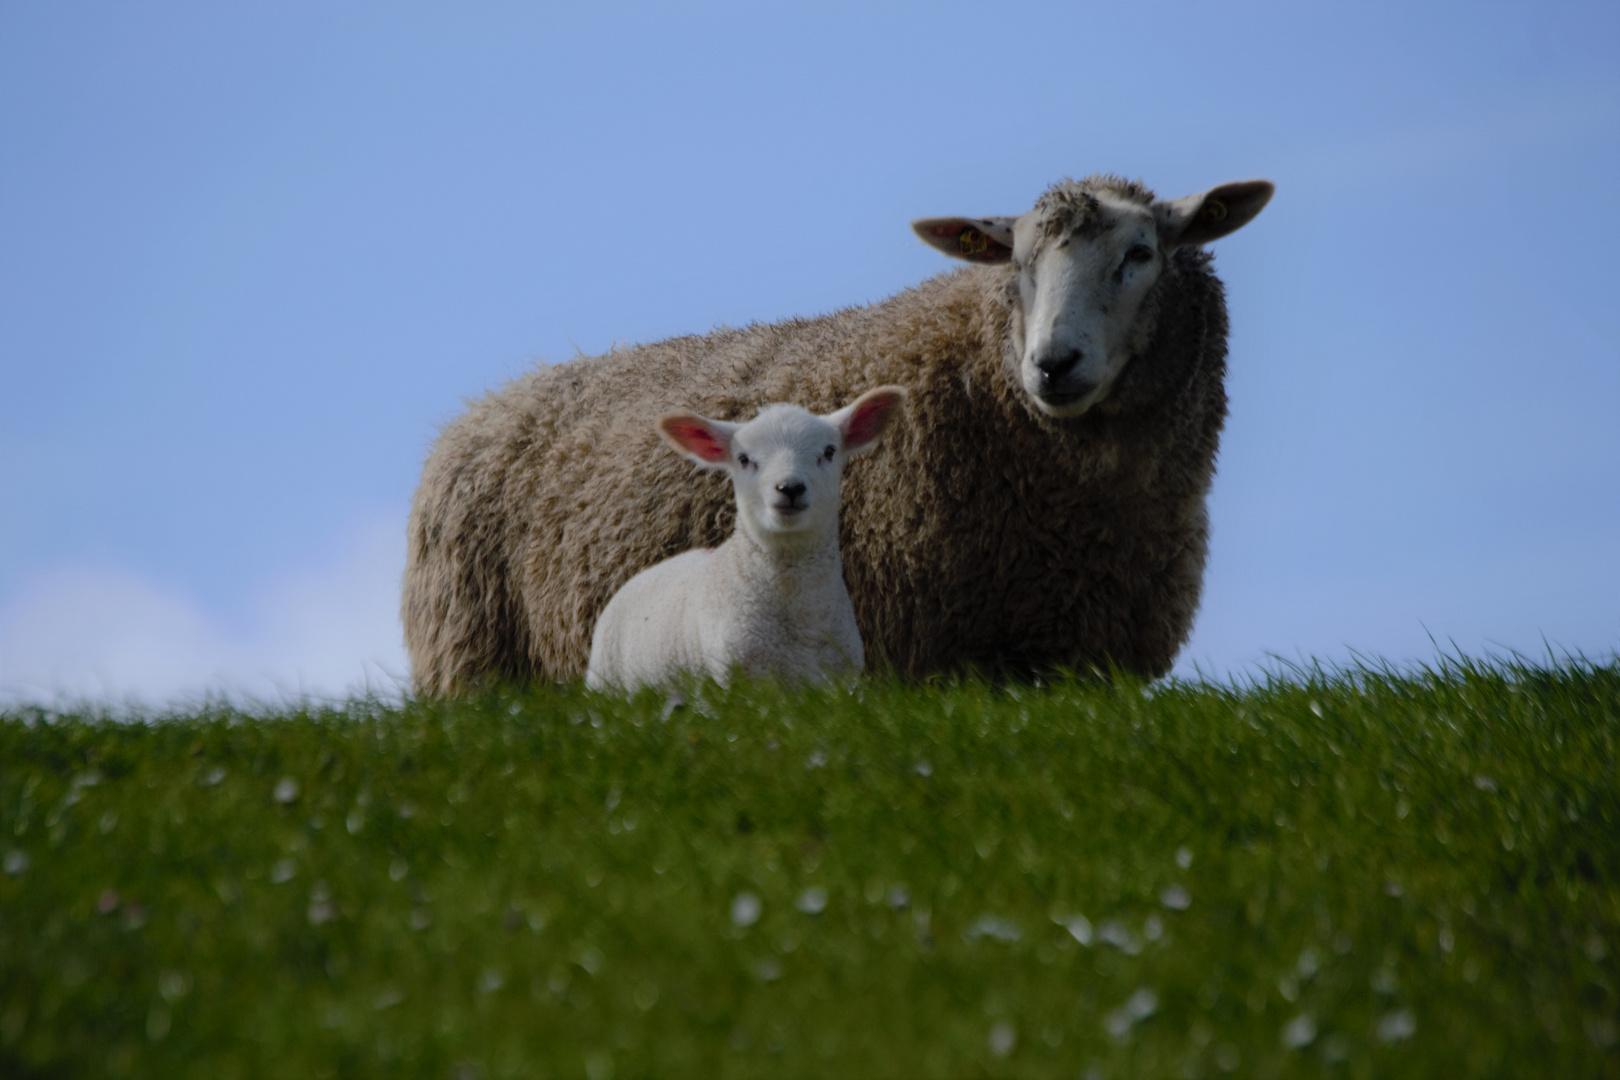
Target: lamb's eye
x=742 y=459
x=829 y=452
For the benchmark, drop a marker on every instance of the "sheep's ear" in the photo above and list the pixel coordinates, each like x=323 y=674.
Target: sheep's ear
x=983 y=240
x=863 y=421
x=708 y=442
x=1210 y=215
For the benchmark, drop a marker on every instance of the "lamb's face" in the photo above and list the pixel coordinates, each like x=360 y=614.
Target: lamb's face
x=1084 y=269
x=786 y=465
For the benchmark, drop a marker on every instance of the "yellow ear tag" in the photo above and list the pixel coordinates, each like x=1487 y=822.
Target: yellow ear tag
x=972 y=241
x=1213 y=211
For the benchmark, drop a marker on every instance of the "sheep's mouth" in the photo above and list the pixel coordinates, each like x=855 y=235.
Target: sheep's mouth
x=790 y=509
x=1065 y=406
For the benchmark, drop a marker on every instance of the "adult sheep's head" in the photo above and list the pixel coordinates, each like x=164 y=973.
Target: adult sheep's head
x=1089 y=256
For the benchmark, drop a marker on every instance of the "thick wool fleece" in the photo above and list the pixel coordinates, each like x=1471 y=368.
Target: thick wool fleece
x=981 y=534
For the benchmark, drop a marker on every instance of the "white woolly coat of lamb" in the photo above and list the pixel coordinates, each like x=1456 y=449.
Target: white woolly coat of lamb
x=771 y=600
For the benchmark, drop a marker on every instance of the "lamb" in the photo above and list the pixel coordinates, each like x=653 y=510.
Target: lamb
x=771 y=599
x=1043 y=506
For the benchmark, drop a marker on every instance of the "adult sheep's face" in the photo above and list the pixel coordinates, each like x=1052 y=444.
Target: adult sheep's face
x=1088 y=257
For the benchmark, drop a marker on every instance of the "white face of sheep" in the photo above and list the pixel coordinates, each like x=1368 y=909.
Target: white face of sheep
x=1086 y=264
x=787 y=463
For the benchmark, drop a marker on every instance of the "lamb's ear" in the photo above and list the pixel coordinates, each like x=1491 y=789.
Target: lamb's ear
x=705 y=441
x=984 y=240
x=1210 y=215
x=863 y=421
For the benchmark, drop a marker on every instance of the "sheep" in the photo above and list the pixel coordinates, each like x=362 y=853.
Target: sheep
x=771 y=599
x=1043 y=507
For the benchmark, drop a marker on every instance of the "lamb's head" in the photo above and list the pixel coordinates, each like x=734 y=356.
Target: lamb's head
x=1088 y=257
x=787 y=463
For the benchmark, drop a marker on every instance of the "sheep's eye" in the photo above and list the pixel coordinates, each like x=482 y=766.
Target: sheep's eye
x=829 y=452
x=1136 y=253
x=742 y=459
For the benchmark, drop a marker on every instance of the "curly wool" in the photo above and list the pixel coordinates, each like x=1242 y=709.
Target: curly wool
x=983 y=535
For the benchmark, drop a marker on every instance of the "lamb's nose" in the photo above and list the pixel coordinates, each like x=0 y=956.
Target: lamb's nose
x=792 y=489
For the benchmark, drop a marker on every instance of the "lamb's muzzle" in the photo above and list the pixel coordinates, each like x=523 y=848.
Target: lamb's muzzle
x=792 y=498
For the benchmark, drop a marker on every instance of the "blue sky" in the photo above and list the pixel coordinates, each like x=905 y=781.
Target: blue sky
x=253 y=256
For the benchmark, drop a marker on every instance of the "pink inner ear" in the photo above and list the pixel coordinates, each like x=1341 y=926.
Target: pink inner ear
x=696 y=439
x=866 y=422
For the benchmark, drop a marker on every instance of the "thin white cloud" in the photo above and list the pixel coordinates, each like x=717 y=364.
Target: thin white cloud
x=328 y=631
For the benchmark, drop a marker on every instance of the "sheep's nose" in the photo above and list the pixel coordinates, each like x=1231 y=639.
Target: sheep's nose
x=792 y=489
x=1056 y=365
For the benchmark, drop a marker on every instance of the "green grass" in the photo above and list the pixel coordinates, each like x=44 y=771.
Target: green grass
x=1340 y=874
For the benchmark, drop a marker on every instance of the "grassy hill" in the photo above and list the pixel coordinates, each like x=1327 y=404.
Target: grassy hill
x=1359 y=874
